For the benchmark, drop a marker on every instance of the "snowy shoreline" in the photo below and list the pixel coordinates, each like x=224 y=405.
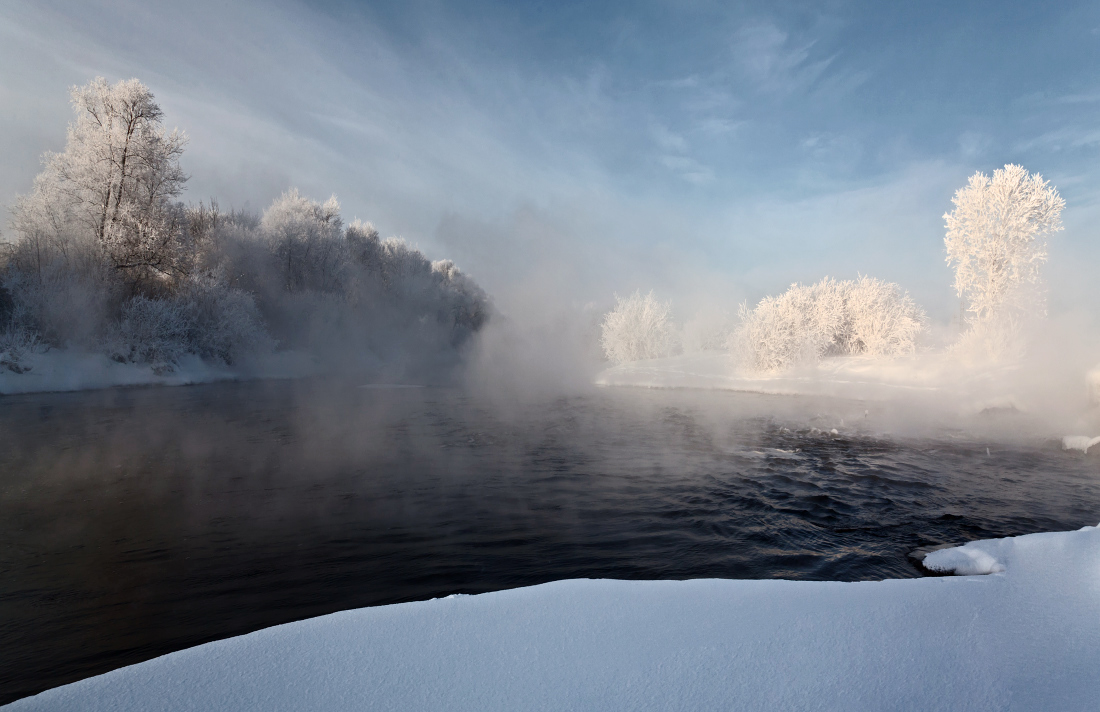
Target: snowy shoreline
x=60 y=370
x=864 y=378
x=1025 y=637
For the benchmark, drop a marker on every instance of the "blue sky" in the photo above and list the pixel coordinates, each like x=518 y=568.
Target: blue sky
x=713 y=151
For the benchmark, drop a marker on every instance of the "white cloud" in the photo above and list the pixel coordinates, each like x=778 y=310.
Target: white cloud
x=766 y=55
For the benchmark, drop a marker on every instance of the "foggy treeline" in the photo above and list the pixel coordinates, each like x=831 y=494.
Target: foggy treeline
x=995 y=240
x=104 y=257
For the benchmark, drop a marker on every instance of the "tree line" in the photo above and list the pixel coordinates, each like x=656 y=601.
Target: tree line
x=996 y=241
x=105 y=257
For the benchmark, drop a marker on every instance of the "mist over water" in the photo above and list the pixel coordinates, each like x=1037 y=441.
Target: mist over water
x=141 y=521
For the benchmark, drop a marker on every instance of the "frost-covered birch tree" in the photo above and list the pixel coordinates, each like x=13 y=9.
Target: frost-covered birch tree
x=638 y=328
x=116 y=181
x=996 y=240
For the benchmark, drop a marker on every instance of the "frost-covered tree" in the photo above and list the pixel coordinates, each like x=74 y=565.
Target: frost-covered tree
x=831 y=318
x=639 y=327
x=104 y=258
x=996 y=240
x=115 y=181
x=307 y=239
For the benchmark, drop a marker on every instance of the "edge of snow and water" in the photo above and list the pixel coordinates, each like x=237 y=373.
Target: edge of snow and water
x=858 y=377
x=1026 y=637
x=72 y=370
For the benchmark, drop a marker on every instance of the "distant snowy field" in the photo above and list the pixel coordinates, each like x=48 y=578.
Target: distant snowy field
x=1024 y=637
x=927 y=376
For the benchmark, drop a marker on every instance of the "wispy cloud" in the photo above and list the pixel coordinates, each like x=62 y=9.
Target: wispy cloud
x=623 y=123
x=768 y=56
x=1063 y=138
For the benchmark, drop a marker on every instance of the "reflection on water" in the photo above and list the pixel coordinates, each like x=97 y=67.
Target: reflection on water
x=140 y=521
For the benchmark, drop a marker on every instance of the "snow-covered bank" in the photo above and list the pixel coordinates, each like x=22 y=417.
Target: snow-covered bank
x=1027 y=638
x=922 y=376
x=72 y=370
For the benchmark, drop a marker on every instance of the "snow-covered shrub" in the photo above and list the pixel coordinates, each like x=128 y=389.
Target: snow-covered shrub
x=64 y=293
x=831 y=318
x=777 y=333
x=225 y=323
x=18 y=331
x=207 y=319
x=639 y=327
x=881 y=319
x=155 y=331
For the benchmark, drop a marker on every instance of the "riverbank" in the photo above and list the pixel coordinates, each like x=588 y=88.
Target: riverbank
x=1024 y=637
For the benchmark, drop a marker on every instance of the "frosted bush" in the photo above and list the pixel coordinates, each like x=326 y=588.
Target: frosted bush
x=831 y=318
x=64 y=297
x=780 y=331
x=207 y=319
x=155 y=331
x=638 y=328
x=882 y=320
x=18 y=331
x=225 y=323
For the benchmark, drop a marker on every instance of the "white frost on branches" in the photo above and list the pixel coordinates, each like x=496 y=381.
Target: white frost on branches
x=638 y=328
x=831 y=318
x=307 y=239
x=106 y=258
x=116 y=180
x=996 y=240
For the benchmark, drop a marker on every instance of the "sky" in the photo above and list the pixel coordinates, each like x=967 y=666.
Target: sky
x=712 y=151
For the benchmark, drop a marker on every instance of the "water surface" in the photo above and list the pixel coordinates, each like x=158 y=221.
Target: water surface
x=135 y=522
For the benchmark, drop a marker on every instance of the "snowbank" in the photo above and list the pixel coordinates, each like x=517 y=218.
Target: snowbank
x=71 y=370
x=925 y=375
x=1024 y=639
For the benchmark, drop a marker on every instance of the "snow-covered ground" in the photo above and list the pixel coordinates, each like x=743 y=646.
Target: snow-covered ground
x=71 y=370
x=927 y=376
x=1026 y=637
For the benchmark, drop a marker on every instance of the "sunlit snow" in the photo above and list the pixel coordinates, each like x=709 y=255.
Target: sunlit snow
x=1025 y=638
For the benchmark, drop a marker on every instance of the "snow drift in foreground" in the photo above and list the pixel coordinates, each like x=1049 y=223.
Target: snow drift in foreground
x=1027 y=638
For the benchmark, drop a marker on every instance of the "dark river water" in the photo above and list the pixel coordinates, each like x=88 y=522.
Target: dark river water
x=135 y=522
